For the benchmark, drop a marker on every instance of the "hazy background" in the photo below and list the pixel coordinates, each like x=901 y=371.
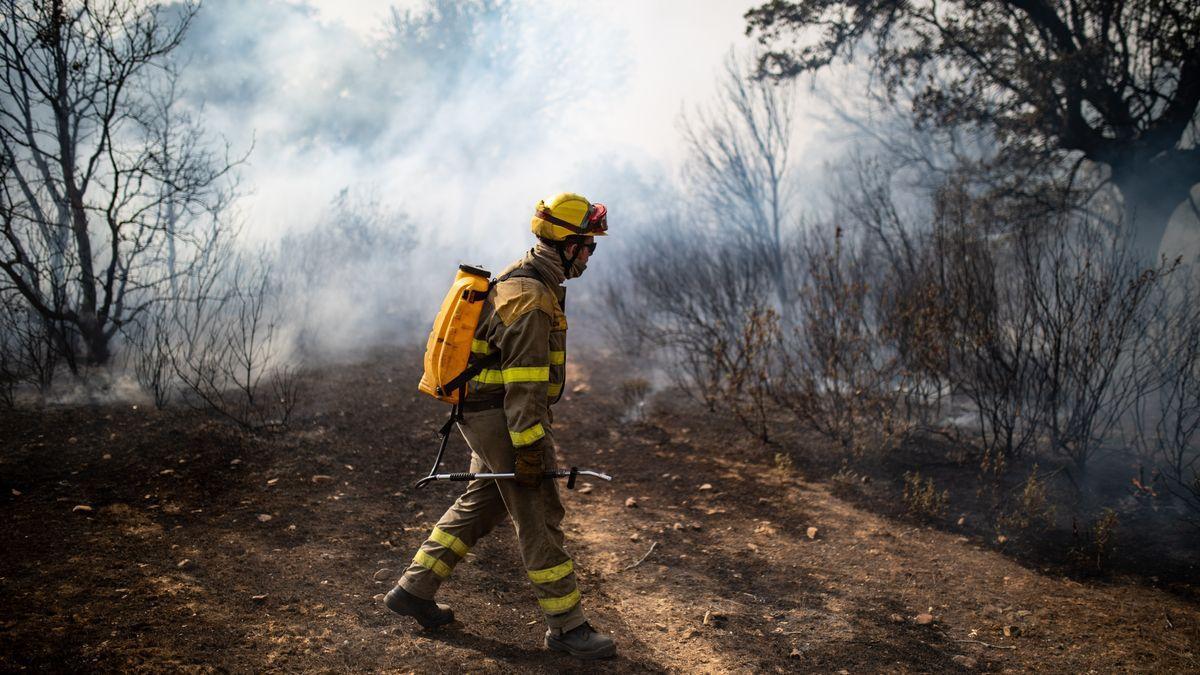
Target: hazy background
x=452 y=120
x=463 y=130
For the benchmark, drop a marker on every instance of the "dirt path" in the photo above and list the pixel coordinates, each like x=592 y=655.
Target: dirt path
x=848 y=598
x=207 y=549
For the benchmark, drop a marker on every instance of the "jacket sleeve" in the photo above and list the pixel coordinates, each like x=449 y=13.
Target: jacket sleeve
x=525 y=367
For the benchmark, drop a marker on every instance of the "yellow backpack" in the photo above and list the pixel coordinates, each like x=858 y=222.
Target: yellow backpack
x=449 y=345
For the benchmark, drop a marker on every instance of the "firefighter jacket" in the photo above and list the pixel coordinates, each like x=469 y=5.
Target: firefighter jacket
x=523 y=320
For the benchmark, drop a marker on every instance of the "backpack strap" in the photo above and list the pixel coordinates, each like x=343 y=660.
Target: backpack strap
x=525 y=272
x=460 y=380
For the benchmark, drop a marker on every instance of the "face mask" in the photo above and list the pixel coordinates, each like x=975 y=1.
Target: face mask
x=577 y=268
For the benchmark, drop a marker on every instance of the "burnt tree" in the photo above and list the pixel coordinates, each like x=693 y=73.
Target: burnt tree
x=103 y=186
x=739 y=168
x=1117 y=81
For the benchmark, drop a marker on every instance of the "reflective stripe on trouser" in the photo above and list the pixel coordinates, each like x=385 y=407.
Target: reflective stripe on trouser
x=440 y=553
x=556 y=588
x=537 y=516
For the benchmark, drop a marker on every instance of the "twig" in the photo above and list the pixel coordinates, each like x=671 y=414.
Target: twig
x=985 y=644
x=643 y=558
x=1188 y=657
x=978 y=642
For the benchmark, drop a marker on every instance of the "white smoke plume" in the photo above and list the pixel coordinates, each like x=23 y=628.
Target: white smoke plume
x=451 y=117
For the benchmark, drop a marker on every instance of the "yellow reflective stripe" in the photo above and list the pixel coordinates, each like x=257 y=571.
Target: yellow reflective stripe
x=530 y=435
x=559 y=605
x=429 y=562
x=512 y=375
x=449 y=541
x=486 y=376
x=480 y=347
x=526 y=374
x=554 y=389
x=552 y=573
x=558 y=358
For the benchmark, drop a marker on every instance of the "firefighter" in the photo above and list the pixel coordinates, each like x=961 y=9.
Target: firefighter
x=506 y=421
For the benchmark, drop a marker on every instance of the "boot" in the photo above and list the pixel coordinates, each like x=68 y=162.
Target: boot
x=581 y=641
x=427 y=612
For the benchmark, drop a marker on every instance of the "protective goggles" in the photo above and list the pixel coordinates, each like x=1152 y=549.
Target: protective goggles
x=597 y=219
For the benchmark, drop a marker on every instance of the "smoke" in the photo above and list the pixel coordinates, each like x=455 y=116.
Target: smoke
x=463 y=114
x=454 y=117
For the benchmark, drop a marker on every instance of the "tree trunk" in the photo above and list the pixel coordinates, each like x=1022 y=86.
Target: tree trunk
x=1151 y=191
x=90 y=323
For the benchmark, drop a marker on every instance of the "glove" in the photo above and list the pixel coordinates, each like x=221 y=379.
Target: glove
x=529 y=467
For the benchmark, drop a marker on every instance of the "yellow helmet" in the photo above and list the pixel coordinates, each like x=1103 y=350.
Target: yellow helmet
x=568 y=214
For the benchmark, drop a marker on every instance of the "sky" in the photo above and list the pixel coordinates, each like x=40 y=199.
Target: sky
x=463 y=134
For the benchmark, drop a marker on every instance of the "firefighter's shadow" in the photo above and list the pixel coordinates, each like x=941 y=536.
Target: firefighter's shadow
x=459 y=635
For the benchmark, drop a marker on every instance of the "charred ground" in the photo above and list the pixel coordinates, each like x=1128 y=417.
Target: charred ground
x=149 y=540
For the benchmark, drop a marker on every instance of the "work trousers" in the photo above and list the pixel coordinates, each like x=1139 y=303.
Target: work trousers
x=537 y=515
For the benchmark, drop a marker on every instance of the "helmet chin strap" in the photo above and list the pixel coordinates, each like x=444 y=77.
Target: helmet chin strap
x=567 y=263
